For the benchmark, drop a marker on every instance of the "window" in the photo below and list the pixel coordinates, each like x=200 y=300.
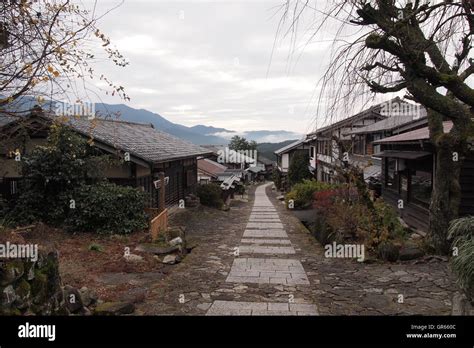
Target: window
x=191 y=177
x=359 y=145
x=391 y=175
x=377 y=148
x=311 y=152
x=421 y=181
x=324 y=147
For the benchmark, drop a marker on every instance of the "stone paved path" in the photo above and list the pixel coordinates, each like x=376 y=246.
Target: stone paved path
x=336 y=286
x=257 y=262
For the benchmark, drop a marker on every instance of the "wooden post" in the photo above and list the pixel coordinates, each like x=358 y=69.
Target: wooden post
x=161 y=202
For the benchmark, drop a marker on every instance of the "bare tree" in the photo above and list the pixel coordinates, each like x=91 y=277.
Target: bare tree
x=421 y=48
x=47 y=48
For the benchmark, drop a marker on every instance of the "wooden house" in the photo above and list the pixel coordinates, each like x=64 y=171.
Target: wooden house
x=286 y=154
x=408 y=168
x=351 y=139
x=145 y=152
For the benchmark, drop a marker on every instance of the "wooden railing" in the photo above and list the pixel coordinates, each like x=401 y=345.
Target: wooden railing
x=159 y=224
x=152 y=212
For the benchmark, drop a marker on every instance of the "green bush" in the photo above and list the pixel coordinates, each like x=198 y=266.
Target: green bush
x=298 y=169
x=276 y=177
x=52 y=172
x=210 y=195
x=388 y=218
x=302 y=193
x=107 y=208
x=461 y=231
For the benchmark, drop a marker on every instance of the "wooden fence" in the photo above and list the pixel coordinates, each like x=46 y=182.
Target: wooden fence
x=159 y=224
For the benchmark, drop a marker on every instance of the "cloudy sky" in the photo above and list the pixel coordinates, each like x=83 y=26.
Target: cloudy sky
x=210 y=62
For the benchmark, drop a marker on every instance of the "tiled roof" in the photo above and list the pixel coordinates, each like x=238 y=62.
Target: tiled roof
x=211 y=167
x=375 y=109
x=140 y=140
x=384 y=125
x=378 y=110
x=290 y=146
x=418 y=134
x=6 y=119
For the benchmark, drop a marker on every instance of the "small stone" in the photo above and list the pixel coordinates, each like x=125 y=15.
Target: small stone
x=176 y=241
x=410 y=252
x=206 y=296
x=409 y=279
x=415 y=236
x=374 y=290
x=204 y=306
x=391 y=291
x=240 y=288
x=170 y=259
x=88 y=297
x=114 y=308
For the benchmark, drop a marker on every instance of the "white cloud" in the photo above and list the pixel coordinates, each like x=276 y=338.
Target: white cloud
x=210 y=66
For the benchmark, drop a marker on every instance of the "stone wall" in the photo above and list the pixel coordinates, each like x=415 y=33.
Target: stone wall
x=35 y=288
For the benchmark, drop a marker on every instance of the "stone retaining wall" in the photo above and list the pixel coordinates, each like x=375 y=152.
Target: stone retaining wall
x=35 y=288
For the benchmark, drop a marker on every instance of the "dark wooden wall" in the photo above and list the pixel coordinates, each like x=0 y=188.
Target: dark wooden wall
x=467 y=187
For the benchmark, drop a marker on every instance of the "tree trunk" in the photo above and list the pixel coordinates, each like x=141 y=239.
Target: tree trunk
x=446 y=197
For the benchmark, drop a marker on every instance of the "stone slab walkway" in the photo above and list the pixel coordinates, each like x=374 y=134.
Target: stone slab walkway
x=265 y=223
x=198 y=285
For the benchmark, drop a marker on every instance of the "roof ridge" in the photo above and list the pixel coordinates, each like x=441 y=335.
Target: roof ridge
x=116 y=121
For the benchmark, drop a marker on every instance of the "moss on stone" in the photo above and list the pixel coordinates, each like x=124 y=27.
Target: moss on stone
x=39 y=287
x=23 y=288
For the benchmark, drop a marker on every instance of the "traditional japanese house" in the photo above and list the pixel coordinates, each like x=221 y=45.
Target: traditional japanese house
x=286 y=154
x=408 y=168
x=353 y=135
x=209 y=170
x=145 y=152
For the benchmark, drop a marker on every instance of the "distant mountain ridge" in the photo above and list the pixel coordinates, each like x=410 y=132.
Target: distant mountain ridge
x=199 y=134
x=267 y=149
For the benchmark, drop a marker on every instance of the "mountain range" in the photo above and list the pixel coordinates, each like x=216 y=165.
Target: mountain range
x=200 y=134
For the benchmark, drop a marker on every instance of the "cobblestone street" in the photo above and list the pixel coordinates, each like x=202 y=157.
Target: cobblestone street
x=258 y=259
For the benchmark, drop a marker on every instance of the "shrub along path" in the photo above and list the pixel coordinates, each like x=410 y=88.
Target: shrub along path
x=281 y=269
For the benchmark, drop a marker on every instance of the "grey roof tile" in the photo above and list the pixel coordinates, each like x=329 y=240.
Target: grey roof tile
x=141 y=140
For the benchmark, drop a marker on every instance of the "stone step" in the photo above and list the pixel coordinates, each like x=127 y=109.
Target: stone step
x=269 y=233
x=264 y=249
x=264 y=225
x=236 y=308
x=265 y=241
x=267 y=271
